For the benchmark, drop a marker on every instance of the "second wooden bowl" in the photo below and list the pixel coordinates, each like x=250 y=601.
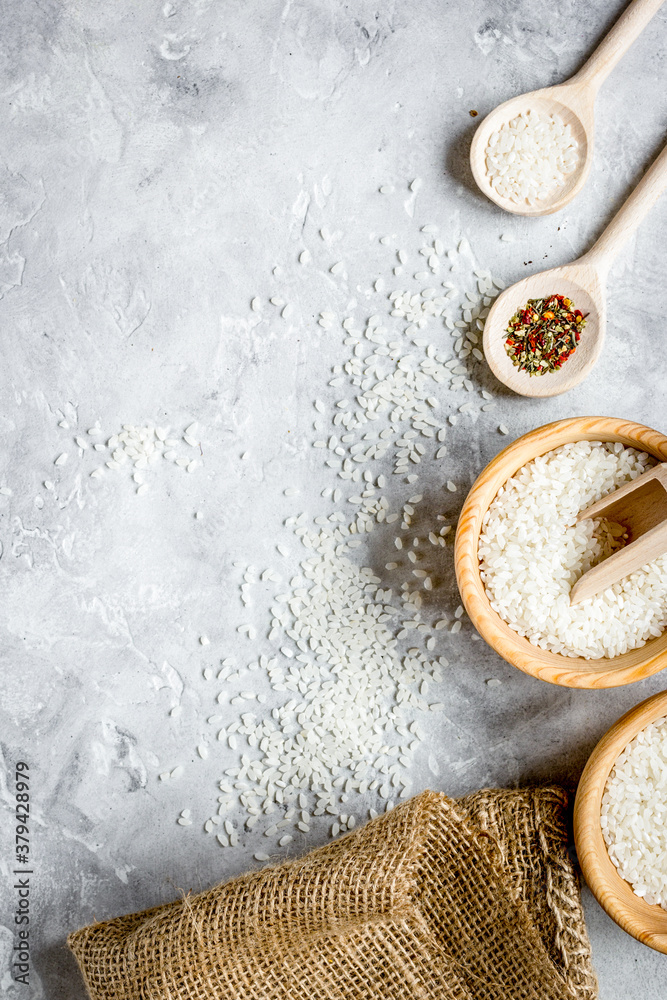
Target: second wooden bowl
x=568 y=671
x=645 y=922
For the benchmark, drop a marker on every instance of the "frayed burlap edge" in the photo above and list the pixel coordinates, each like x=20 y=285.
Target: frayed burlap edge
x=534 y=824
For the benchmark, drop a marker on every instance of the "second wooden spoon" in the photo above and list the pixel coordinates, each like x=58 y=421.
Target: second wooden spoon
x=583 y=281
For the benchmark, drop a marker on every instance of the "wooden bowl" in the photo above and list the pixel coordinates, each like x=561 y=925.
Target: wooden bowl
x=568 y=671
x=645 y=922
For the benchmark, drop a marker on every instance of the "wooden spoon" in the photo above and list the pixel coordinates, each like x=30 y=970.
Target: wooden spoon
x=574 y=102
x=583 y=281
x=641 y=507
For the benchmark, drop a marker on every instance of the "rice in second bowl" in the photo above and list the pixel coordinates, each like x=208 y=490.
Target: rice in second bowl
x=531 y=553
x=634 y=813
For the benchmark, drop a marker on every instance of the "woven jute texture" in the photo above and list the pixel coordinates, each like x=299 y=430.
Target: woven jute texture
x=439 y=899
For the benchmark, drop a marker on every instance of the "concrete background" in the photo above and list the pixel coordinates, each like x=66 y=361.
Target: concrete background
x=158 y=162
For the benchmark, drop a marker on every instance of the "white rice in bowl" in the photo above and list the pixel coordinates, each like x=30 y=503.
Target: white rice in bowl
x=634 y=814
x=531 y=553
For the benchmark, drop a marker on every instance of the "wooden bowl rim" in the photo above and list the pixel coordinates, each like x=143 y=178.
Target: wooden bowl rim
x=644 y=921
x=554 y=668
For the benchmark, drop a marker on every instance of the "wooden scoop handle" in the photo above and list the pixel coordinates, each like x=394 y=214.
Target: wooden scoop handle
x=641 y=507
x=628 y=219
x=616 y=43
x=622 y=563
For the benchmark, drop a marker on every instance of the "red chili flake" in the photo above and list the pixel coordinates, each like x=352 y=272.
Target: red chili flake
x=544 y=334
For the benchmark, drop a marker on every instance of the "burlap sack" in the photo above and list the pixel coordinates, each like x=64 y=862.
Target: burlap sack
x=441 y=898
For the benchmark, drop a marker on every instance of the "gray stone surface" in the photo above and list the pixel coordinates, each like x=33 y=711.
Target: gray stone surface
x=158 y=161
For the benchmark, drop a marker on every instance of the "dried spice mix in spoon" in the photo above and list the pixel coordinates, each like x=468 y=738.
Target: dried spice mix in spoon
x=544 y=334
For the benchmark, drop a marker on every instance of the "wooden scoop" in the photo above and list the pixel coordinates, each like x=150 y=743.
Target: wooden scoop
x=583 y=281
x=574 y=102
x=641 y=507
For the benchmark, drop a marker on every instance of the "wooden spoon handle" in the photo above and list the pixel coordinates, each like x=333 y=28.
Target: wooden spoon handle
x=632 y=213
x=616 y=43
